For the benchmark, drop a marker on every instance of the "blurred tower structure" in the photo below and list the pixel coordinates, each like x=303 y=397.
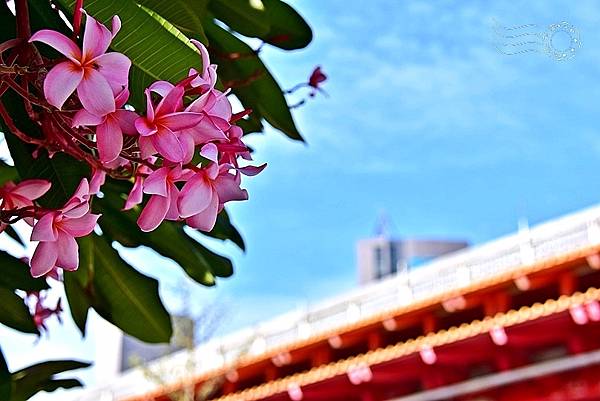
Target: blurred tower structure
x=383 y=256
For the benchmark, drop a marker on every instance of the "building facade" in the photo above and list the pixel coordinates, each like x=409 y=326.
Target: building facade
x=514 y=319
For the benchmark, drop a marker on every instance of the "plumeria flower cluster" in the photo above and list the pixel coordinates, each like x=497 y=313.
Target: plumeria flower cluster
x=183 y=152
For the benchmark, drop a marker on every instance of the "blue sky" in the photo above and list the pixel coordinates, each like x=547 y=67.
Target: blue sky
x=426 y=121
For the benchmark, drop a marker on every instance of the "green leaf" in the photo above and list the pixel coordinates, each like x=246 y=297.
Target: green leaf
x=10 y=231
x=243 y=16
x=168 y=239
x=79 y=303
x=39 y=377
x=186 y=15
x=5 y=380
x=7 y=22
x=251 y=124
x=127 y=298
x=158 y=50
x=78 y=284
x=220 y=266
x=15 y=275
x=289 y=30
x=14 y=312
x=117 y=291
x=273 y=21
x=43 y=16
x=7 y=173
x=224 y=230
x=263 y=94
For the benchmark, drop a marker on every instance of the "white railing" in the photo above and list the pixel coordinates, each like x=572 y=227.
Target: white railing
x=460 y=269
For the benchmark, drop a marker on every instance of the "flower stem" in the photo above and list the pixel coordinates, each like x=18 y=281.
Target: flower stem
x=22 y=11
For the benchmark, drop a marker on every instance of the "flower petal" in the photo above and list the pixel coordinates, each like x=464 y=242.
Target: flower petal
x=228 y=188
x=222 y=108
x=95 y=93
x=173 y=212
x=195 y=196
x=171 y=101
x=210 y=152
x=110 y=139
x=96 y=39
x=115 y=68
x=154 y=213
x=76 y=210
x=206 y=219
x=149 y=106
x=205 y=131
x=135 y=195
x=82 y=191
x=203 y=54
x=161 y=87
x=181 y=120
x=44 y=229
x=78 y=204
x=251 y=170
x=144 y=126
x=31 y=189
x=85 y=118
x=203 y=103
x=156 y=182
x=167 y=144
x=126 y=119
x=61 y=82
x=116 y=25
x=59 y=42
x=44 y=258
x=68 y=252
x=147 y=149
x=81 y=226
x=97 y=180
x=187 y=145
x=121 y=98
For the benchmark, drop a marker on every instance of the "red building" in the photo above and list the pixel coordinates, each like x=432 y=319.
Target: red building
x=515 y=319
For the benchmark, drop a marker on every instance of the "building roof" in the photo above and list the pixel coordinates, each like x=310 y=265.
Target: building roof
x=438 y=339
x=562 y=240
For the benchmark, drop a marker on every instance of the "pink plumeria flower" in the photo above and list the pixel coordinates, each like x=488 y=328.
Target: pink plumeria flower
x=208 y=78
x=110 y=127
x=158 y=127
x=205 y=193
x=56 y=232
x=163 y=202
x=95 y=74
x=16 y=196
